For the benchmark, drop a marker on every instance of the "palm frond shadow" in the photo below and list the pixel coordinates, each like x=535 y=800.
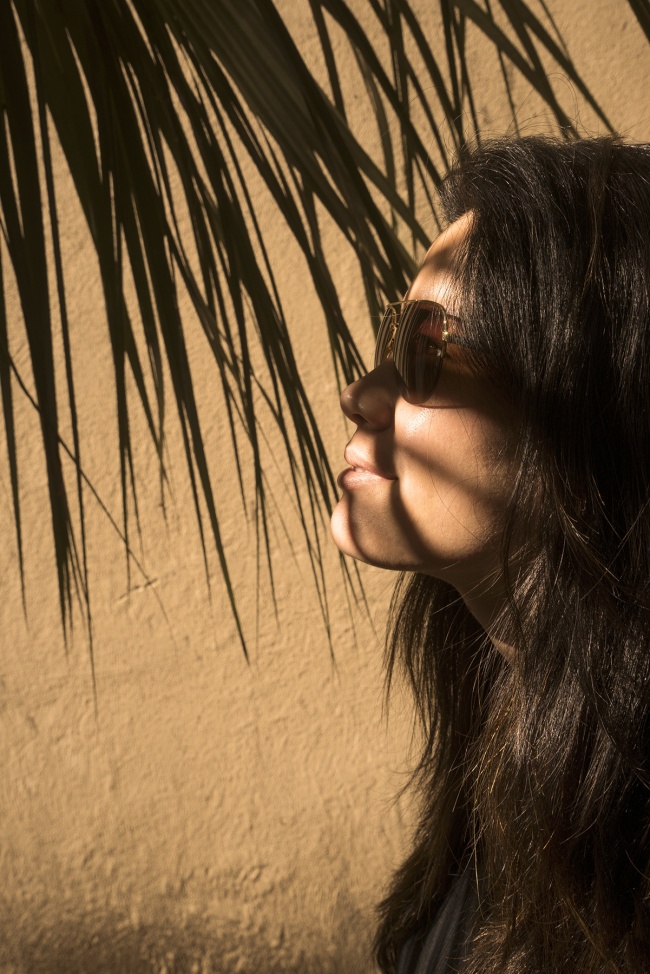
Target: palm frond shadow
x=154 y=106
x=641 y=9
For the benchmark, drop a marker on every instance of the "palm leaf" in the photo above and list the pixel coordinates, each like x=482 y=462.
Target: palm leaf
x=152 y=94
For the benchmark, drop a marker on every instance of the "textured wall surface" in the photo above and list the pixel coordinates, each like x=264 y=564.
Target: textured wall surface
x=215 y=815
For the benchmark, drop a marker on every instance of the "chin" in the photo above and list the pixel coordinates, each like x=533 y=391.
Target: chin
x=373 y=542
x=371 y=547
x=342 y=534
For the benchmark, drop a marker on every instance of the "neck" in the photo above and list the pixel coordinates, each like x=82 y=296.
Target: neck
x=486 y=602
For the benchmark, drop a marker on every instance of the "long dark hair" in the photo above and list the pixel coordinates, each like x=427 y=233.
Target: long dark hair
x=537 y=770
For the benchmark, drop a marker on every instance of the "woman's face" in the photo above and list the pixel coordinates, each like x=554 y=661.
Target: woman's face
x=426 y=485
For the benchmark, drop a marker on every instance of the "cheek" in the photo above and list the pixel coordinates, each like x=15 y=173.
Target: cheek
x=455 y=484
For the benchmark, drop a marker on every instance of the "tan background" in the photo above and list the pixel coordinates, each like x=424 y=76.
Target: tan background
x=216 y=816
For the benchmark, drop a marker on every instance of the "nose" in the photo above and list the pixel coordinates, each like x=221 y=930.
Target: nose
x=370 y=401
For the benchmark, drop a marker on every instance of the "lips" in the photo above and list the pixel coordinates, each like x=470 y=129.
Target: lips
x=361 y=464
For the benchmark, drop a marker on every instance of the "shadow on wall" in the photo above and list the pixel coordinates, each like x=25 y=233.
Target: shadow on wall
x=103 y=948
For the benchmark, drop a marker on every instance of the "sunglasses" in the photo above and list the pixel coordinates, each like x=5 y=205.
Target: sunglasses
x=415 y=335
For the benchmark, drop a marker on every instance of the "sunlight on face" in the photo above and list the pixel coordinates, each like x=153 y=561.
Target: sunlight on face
x=427 y=485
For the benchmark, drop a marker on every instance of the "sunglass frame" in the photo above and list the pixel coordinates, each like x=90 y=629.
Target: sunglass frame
x=394 y=344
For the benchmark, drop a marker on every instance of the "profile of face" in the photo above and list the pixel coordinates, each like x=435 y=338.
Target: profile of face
x=427 y=484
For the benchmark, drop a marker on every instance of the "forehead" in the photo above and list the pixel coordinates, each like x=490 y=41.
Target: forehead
x=435 y=278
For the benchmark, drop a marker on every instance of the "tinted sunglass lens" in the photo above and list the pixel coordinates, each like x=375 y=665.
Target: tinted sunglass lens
x=418 y=354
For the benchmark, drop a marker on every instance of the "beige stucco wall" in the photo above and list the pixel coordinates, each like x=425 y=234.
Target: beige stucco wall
x=215 y=815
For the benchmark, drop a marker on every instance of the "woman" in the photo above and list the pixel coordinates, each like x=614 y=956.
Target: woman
x=501 y=456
